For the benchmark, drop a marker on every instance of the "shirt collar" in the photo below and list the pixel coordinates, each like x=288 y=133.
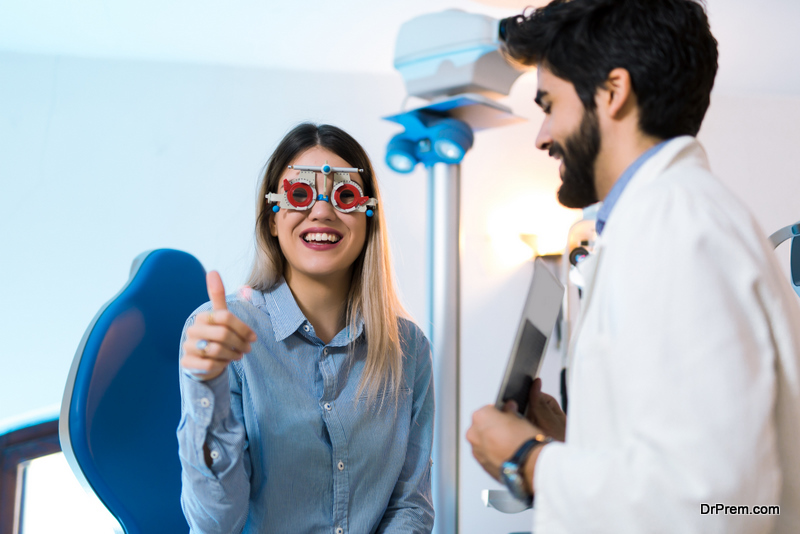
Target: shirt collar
x=616 y=191
x=287 y=318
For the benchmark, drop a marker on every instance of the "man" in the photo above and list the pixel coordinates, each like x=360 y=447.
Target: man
x=685 y=368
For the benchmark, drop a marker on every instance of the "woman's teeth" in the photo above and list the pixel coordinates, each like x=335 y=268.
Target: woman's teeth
x=321 y=238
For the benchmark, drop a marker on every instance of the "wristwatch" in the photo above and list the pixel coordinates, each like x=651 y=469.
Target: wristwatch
x=511 y=471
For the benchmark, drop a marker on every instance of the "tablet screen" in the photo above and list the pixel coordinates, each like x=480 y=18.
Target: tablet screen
x=538 y=318
x=526 y=360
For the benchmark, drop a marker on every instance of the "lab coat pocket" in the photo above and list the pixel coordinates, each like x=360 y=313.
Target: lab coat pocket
x=592 y=386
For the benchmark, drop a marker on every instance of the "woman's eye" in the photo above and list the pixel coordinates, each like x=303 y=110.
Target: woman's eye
x=299 y=195
x=347 y=196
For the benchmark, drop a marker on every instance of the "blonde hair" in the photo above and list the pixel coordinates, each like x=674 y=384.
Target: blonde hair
x=373 y=296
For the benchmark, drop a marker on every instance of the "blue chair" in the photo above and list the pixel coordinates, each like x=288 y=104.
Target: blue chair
x=790 y=232
x=121 y=404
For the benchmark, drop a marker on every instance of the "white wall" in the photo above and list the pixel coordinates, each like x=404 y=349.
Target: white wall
x=753 y=144
x=102 y=159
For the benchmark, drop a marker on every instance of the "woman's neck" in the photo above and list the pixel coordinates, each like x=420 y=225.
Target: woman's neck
x=322 y=300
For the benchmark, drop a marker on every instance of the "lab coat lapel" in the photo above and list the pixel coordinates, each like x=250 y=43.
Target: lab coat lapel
x=675 y=151
x=588 y=271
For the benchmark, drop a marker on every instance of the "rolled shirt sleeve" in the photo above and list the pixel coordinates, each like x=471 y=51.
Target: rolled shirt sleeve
x=214 y=497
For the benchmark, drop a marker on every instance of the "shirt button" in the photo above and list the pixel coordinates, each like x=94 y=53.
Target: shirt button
x=214 y=455
x=306 y=328
x=328 y=406
x=341 y=466
x=205 y=403
x=340 y=530
x=325 y=350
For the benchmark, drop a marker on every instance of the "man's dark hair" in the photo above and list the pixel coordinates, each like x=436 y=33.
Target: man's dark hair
x=665 y=45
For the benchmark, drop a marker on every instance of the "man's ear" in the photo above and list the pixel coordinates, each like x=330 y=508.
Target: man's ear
x=616 y=96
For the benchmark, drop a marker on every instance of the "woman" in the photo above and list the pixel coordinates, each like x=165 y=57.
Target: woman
x=308 y=398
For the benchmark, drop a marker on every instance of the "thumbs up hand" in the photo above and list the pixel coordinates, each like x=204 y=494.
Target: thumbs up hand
x=217 y=337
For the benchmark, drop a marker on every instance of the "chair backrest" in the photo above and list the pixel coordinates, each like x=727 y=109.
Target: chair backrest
x=121 y=404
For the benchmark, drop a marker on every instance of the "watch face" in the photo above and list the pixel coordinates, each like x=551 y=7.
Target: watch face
x=513 y=481
x=510 y=469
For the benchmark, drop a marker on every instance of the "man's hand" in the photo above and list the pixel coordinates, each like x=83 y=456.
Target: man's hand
x=216 y=337
x=545 y=413
x=495 y=436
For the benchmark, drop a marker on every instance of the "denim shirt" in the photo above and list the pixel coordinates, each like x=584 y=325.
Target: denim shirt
x=294 y=448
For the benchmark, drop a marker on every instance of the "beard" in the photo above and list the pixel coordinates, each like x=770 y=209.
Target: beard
x=578 y=156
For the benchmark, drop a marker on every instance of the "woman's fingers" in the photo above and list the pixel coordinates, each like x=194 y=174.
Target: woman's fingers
x=228 y=320
x=229 y=338
x=216 y=291
x=221 y=334
x=211 y=349
x=217 y=337
x=220 y=314
x=206 y=359
x=219 y=324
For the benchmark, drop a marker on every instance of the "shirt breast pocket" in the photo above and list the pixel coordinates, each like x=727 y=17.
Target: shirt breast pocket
x=383 y=421
x=385 y=392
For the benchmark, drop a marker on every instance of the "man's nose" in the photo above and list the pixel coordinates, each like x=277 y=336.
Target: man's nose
x=543 y=138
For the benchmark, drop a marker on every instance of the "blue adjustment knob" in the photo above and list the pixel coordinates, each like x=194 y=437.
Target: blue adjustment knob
x=369 y=213
x=326 y=169
x=276 y=208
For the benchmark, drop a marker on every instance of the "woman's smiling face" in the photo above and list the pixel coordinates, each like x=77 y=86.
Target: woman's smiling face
x=320 y=242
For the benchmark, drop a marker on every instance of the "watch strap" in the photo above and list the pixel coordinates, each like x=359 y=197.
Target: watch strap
x=513 y=467
x=525 y=449
x=522 y=453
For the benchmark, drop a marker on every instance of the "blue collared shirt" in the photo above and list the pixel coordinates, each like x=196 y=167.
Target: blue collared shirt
x=293 y=448
x=616 y=191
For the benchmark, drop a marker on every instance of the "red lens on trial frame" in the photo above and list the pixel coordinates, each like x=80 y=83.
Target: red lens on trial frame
x=299 y=194
x=348 y=196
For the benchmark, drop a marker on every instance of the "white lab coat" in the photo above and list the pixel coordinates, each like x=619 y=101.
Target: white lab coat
x=684 y=376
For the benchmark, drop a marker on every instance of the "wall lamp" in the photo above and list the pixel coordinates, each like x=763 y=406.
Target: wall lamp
x=428 y=139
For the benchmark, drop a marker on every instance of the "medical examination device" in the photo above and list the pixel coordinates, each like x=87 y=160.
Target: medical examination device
x=790 y=232
x=452 y=59
x=580 y=245
x=300 y=193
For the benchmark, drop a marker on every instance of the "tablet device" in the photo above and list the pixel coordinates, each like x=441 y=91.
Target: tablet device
x=533 y=333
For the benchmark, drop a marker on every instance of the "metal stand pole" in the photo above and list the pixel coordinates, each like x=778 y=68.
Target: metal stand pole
x=443 y=311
